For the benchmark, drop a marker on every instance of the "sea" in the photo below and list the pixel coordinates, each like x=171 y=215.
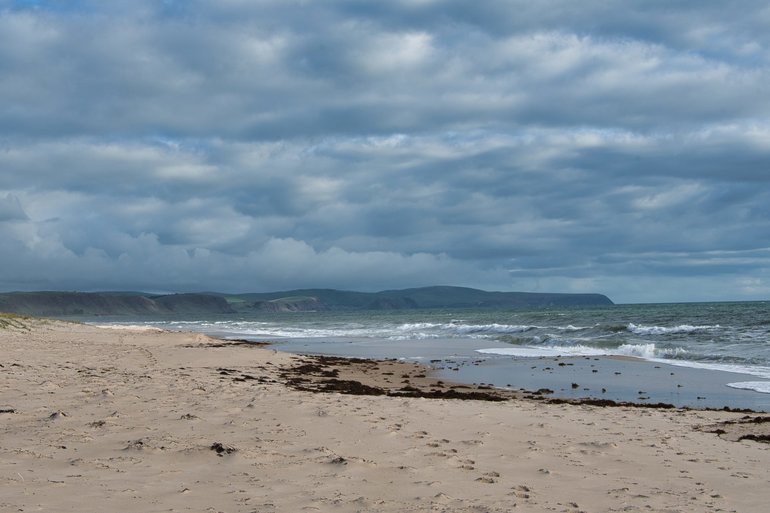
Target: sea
x=707 y=355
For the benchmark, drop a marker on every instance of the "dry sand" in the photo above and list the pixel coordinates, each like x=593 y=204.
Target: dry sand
x=116 y=420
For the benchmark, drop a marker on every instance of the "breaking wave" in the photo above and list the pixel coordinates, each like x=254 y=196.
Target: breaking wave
x=663 y=330
x=645 y=351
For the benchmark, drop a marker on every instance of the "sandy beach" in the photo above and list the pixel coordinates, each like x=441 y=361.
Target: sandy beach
x=118 y=420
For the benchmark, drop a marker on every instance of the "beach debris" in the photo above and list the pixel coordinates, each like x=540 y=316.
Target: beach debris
x=248 y=377
x=7 y=410
x=57 y=415
x=137 y=445
x=756 y=438
x=351 y=387
x=188 y=416
x=222 y=449
x=756 y=429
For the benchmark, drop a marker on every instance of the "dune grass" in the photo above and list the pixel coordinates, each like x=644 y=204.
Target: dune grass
x=13 y=321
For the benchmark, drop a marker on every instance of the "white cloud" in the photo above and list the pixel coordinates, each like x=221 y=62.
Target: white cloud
x=394 y=53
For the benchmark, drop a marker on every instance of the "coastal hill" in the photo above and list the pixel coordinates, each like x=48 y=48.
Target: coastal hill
x=424 y=297
x=63 y=304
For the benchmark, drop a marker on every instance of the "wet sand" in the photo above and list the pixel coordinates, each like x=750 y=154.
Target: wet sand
x=116 y=420
x=620 y=379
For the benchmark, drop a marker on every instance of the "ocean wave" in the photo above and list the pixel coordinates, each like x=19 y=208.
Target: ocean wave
x=412 y=326
x=490 y=328
x=403 y=331
x=420 y=330
x=757 y=386
x=415 y=336
x=646 y=351
x=663 y=330
x=516 y=340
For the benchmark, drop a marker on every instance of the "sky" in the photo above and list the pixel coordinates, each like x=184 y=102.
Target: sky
x=617 y=147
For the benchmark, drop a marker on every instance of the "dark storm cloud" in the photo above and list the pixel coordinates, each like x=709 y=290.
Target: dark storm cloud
x=595 y=146
x=280 y=71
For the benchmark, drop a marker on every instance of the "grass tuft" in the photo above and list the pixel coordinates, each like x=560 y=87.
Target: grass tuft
x=13 y=321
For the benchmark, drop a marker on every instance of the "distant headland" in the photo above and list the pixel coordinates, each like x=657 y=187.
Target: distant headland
x=64 y=304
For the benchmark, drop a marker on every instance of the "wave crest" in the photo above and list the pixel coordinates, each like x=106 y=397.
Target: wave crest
x=664 y=330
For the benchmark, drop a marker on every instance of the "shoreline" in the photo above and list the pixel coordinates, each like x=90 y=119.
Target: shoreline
x=359 y=376
x=623 y=379
x=171 y=421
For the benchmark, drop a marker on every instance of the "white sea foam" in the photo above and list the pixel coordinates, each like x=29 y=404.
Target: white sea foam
x=415 y=336
x=405 y=331
x=530 y=351
x=754 y=370
x=127 y=327
x=412 y=326
x=663 y=330
x=489 y=328
x=644 y=351
x=757 y=386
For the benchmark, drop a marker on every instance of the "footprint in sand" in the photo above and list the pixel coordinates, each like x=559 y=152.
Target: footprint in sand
x=488 y=477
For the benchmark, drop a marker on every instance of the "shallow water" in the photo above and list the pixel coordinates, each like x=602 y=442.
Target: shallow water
x=713 y=344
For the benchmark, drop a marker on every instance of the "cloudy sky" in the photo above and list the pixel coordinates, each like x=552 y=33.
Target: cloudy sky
x=620 y=147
